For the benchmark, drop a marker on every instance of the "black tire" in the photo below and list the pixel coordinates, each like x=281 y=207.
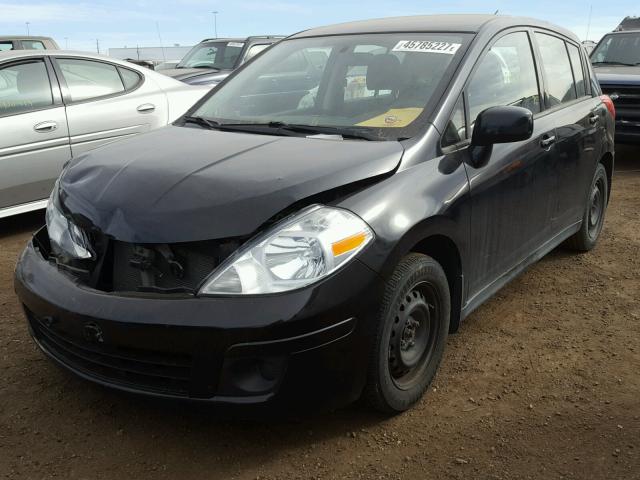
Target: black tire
x=410 y=334
x=593 y=219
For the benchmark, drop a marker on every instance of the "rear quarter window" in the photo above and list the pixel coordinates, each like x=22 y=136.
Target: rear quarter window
x=130 y=78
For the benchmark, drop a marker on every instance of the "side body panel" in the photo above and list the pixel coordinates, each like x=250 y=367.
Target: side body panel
x=95 y=122
x=30 y=159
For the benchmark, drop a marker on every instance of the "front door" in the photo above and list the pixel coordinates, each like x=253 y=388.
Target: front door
x=513 y=187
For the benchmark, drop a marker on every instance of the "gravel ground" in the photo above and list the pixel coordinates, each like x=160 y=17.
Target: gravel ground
x=543 y=381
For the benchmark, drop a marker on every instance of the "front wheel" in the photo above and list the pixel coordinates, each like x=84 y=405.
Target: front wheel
x=593 y=218
x=410 y=335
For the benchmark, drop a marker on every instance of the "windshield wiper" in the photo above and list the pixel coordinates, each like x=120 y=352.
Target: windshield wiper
x=182 y=67
x=203 y=122
x=616 y=63
x=283 y=128
x=289 y=128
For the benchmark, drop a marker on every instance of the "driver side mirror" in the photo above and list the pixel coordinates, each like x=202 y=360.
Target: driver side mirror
x=502 y=125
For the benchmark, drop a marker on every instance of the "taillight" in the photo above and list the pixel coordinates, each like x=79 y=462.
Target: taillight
x=609 y=104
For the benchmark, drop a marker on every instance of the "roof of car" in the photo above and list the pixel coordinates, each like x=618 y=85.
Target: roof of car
x=19 y=54
x=23 y=37
x=244 y=39
x=431 y=23
x=622 y=32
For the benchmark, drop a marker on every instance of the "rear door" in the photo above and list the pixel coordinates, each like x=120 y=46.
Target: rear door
x=512 y=189
x=107 y=102
x=578 y=117
x=34 y=144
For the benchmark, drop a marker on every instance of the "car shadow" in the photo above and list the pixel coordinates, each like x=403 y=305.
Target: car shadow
x=23 y=223
x=627 y=159
x=213 y=433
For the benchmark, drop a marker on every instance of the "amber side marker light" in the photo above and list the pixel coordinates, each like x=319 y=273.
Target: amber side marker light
x=608 y=102
x=347 y=244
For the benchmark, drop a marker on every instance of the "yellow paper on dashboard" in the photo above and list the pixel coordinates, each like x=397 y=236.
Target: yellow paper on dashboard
x=394 y=118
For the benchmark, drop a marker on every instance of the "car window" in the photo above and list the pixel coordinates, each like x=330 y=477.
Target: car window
x=296 y=62
x=90 y=79
x=578 y=71
x=357 y=70
x=220 y=55
x=455 y=131
x=505 y=76
x=380 y=82
x=32 y=45
x=4 y=46
x=557 y=69
x=24 y=87
x=254 y=50
x=623 y=48
x=130 y=78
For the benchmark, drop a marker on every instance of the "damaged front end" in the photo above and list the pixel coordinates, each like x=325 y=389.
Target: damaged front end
x=128 y=268
x=103 y=263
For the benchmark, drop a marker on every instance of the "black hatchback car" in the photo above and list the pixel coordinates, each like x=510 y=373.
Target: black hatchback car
x=297 y=239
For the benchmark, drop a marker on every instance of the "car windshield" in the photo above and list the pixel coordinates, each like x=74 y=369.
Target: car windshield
x=378 y=83
x=217 y=55
x=621 y=48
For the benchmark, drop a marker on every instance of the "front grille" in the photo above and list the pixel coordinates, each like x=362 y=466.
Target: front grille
x=626 y=99
x=180 y=267
x=151 y=268
x=151 y=371
x=627 y=95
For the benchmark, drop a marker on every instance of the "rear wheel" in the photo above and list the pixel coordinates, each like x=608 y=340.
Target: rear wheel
x=410 y=336
x=593 y=219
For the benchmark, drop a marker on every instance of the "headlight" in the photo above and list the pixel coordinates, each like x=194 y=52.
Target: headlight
x=66 y=238
x=295 y=253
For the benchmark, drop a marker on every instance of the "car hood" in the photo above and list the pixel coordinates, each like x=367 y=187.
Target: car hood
x=180 y=184
x=619 y=75
x=187 y=73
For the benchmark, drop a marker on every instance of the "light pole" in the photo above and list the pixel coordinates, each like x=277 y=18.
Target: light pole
x=27 y=24
x=66 y=43
x=215 y=23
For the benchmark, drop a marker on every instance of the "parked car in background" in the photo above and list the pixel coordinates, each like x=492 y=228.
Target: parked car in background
x=213 y=59
x=265 y=250
x=27 y=43
x=589 y=45
x=168 y=65
x=616 y=61
x=56 y=104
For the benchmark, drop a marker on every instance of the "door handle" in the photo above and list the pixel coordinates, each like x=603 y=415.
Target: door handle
x=547 y=141
x=46 y=127
x=146 y=108
x=594 y=119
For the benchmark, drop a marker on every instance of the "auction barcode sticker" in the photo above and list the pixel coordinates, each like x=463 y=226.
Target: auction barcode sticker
x=422 y=46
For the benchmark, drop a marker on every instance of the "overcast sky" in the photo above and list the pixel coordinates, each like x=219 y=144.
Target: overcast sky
x=117 y=23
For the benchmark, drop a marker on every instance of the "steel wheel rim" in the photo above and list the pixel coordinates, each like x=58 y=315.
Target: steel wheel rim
x=596 y=208
x=413 y=335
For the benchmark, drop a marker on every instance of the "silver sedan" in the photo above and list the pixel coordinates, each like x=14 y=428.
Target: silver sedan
x=55 y=105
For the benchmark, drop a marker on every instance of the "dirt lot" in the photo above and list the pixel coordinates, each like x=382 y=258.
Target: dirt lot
x=541 y=382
